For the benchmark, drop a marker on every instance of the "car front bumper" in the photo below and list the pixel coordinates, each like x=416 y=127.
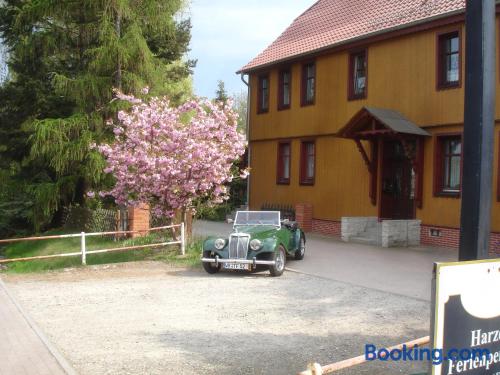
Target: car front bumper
x=254 y=262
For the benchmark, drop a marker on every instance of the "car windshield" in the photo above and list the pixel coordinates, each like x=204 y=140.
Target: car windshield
x=257 y=218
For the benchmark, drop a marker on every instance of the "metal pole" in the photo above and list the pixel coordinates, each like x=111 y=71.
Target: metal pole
x=84 y=249
x=183 y=240
x=479 y=122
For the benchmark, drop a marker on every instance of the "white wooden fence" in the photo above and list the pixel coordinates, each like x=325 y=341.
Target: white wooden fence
x=83 y=248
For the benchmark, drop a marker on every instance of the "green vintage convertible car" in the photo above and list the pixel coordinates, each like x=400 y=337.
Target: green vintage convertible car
x=260 y=239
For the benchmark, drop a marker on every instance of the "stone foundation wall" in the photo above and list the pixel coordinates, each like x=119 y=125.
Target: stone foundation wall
x=395 y=233
x=352 y=226
x=495 y=244
x=400 y=233
x=439 y=236
x=450 y=237
x=326 y=227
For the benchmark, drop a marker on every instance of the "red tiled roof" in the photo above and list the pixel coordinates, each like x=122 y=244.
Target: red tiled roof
x=331 y=22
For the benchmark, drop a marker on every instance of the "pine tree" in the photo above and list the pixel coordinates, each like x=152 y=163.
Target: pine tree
x=72 y=54
x=221 y=93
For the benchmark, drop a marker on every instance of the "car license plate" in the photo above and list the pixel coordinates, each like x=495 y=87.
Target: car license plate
x=235 y=266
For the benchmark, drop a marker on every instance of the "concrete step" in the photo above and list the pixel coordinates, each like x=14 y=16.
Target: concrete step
x=376 y=226
x=373 y=231
x=371 y=236
x=364 y=240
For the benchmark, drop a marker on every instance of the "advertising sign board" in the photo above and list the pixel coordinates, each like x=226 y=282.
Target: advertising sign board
x=466 y=321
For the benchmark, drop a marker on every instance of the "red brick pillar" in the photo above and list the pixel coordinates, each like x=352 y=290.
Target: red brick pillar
x=138 y=219
x=304 y=216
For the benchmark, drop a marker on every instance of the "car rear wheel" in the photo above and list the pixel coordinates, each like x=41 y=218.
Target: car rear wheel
x=301 y=251
x=211 y=268
x=280 y=259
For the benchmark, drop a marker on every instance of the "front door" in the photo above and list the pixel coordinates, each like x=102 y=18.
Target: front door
x=397 y=200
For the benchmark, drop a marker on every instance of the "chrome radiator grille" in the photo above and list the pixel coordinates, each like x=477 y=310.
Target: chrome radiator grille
x=238 y=246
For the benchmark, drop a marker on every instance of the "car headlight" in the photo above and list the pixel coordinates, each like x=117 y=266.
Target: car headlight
x=220 y=243
x=255 y=244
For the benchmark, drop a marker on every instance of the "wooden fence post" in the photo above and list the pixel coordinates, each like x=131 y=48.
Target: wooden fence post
x=183 y=239
x=84 y=250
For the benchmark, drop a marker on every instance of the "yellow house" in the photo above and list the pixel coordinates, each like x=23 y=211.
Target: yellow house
x=356 y=118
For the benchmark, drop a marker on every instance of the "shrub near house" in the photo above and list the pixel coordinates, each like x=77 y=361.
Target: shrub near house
x=173 y=157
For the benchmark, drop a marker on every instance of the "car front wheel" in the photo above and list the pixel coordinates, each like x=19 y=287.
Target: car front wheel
x=211 y=268
x=279 y=259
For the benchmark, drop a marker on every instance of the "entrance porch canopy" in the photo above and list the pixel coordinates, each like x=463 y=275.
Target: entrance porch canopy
x=369 y=122
x=374 y=125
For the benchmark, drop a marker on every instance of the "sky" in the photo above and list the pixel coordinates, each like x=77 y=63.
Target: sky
x=3 y=68
x=227 y=34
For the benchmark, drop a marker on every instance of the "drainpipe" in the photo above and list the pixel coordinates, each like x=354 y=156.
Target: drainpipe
x=248 y=136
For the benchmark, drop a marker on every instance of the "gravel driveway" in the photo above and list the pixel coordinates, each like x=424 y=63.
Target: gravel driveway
x=149 y=318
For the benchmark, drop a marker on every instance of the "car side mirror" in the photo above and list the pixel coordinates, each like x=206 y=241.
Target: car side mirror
x=230 y=221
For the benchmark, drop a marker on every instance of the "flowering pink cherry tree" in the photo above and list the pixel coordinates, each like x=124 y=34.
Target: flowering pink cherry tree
x=171 y=157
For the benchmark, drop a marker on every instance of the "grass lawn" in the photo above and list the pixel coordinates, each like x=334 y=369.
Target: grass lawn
x=168 y=254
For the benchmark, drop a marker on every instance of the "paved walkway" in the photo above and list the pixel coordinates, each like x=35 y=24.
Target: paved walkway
x=24 y=350
x=405 y=271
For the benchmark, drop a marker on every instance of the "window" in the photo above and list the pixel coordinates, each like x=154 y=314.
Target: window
x=263 y=94
x=307 y=163
x=449 y=51
x=357 y=75
x=284 y=153
x=448 y=165
x=284 y=91
x=452 y=155
x=308 y=83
